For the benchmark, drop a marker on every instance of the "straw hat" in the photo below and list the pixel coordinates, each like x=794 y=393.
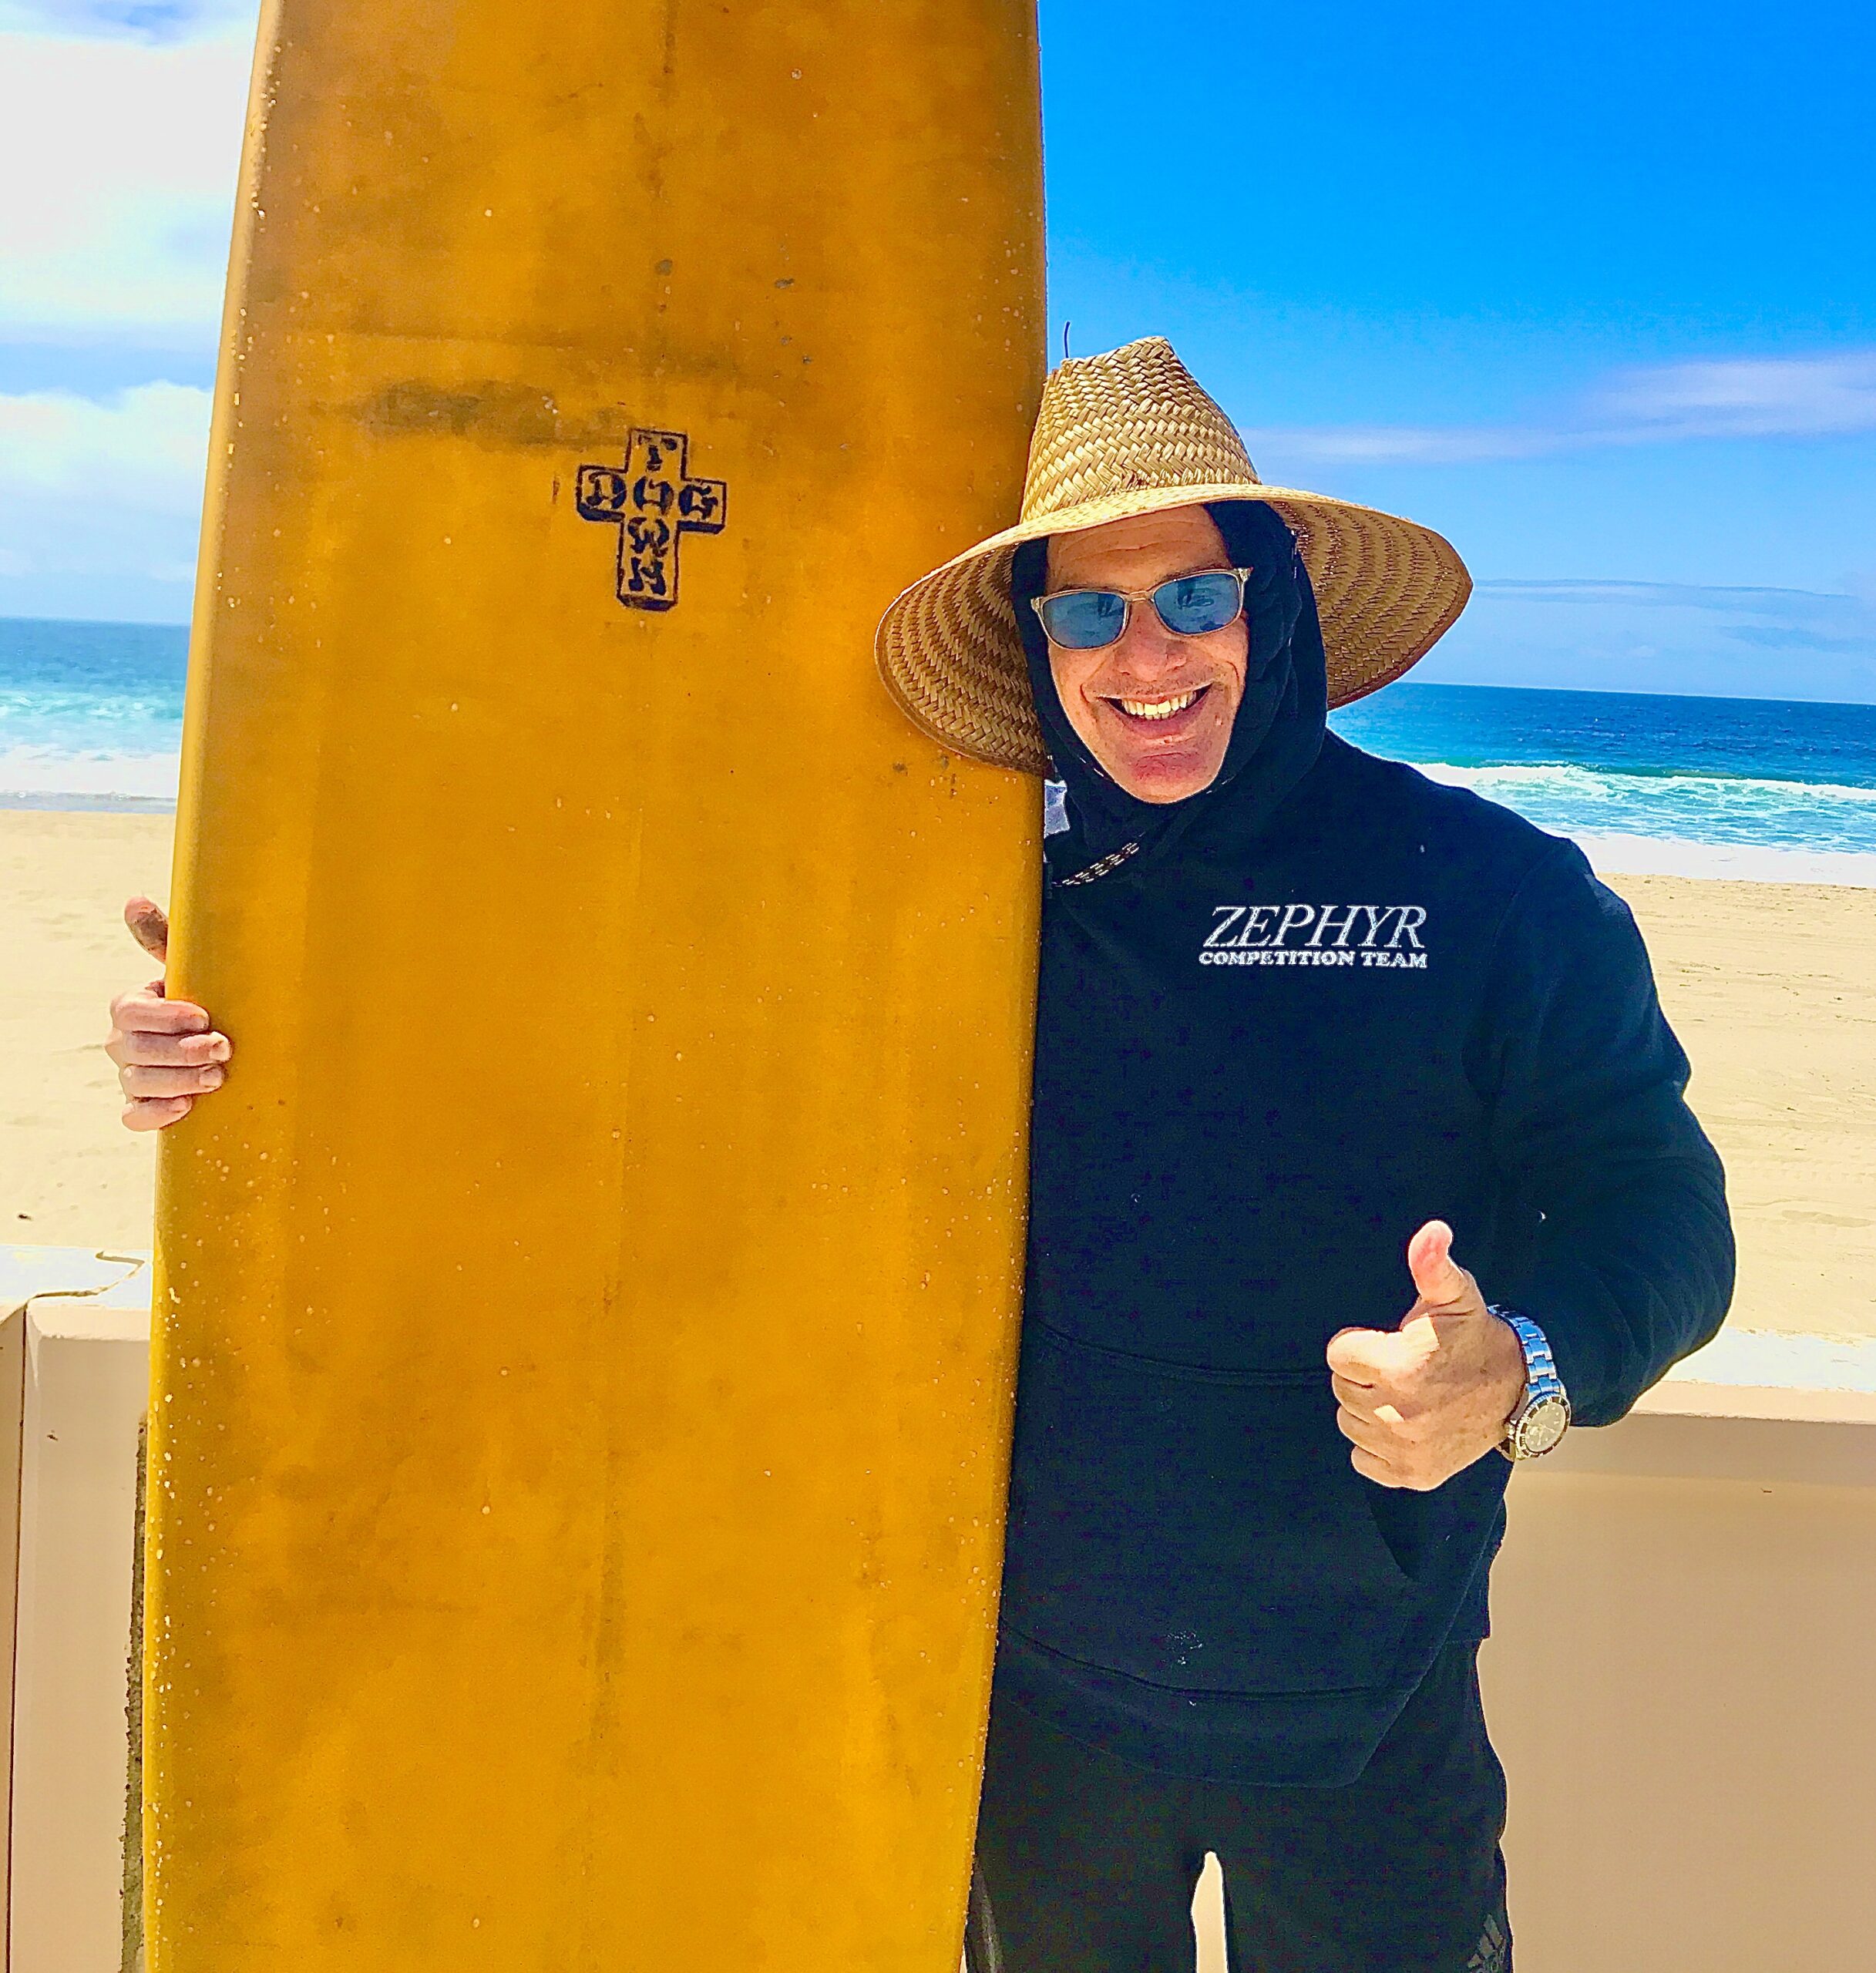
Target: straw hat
x=1131 y=432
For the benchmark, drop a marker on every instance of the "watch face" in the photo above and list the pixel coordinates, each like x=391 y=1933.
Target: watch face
x=1542 y=1426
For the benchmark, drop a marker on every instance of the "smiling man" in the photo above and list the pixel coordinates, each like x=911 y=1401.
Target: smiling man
x=1147 y=647
x=1307 y=1025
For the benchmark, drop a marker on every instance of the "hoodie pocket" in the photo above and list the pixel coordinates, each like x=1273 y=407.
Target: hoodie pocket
x=1201 y=1530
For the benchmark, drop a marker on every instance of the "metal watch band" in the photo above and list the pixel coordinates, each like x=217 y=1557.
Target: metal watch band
x=1541 y=1378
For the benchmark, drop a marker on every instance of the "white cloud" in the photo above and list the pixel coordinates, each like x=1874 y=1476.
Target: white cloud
x=111 y=490
x=1725 y=639
x=148 y=445
x=1779 y=618
x=1768 y=397
x=1751 y=397
x=120 y=160
x=1388 y=445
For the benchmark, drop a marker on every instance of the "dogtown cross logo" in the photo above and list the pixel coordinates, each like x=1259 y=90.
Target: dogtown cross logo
x=653 y=500
x=1370 y=935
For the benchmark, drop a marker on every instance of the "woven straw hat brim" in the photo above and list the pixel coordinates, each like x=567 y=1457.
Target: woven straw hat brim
x=950 y=653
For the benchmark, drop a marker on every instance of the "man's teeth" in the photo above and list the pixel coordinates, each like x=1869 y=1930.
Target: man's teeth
x=1156 y=708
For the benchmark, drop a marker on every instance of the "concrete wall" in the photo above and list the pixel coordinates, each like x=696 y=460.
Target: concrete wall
x=1678 y=1681
x=12 y=1403
x=81 y=1324
x=1680 y=1678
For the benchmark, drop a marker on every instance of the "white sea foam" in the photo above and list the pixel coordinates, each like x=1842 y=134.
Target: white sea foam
x=54 y=772
x=1733 y=813
x=1563 y=779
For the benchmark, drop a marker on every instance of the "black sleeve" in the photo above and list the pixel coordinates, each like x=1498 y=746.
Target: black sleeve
x=1633 y=1264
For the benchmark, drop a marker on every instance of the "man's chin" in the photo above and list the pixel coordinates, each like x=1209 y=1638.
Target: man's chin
x=1167 y=778
x=1166 y=762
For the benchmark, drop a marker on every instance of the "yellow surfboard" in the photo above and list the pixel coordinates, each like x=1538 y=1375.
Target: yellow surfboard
x=586 y=1318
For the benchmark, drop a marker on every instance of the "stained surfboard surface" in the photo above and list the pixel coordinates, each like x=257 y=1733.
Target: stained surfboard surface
x=585 y=1320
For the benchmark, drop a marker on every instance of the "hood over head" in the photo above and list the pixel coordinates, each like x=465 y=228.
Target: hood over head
x=1275 y=738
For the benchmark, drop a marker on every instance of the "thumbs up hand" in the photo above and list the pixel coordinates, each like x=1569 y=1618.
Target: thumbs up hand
x=1422 y=1402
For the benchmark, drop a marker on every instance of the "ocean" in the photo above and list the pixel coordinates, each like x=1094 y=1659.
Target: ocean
x=90 y=714
x=91 y=717
x=1757 y=774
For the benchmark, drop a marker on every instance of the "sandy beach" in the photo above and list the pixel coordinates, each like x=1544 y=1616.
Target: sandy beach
x=1772 y=987
x=70 y=1175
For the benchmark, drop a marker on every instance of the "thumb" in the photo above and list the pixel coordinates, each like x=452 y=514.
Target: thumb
x=1438 y=1277
x=149 y=927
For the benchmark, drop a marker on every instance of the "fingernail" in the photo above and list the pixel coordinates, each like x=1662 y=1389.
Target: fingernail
x=212 y=1077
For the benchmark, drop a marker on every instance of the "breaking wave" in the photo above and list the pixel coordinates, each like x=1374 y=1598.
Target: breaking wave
x=1694 y=807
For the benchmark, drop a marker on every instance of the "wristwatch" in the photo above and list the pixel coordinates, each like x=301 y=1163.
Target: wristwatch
x=1543 y=1413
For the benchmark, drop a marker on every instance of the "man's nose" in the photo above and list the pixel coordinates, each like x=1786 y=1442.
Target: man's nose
x=1146 y=645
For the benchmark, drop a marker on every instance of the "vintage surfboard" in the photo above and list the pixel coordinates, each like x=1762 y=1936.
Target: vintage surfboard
x=585 y=1320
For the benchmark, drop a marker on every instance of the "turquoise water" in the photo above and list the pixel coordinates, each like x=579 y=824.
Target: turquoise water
x=91 y=715
x=1765 y=773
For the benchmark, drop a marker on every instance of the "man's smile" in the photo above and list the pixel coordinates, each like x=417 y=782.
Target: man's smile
x=1158 y=709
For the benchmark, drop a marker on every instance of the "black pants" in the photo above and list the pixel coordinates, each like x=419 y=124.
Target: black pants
x=1087 y=1864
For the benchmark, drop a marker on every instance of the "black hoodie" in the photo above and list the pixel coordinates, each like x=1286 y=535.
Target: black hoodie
x=1281 y=1025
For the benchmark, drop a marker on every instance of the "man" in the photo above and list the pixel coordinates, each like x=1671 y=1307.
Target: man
x=1307 y=1024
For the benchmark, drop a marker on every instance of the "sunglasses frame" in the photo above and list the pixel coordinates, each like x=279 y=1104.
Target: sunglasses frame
x=1130 y=597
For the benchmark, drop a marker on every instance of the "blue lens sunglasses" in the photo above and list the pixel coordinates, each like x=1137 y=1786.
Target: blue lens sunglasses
x=1188 y=606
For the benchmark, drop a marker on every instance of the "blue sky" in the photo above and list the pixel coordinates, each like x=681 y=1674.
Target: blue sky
x=1592 y=289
